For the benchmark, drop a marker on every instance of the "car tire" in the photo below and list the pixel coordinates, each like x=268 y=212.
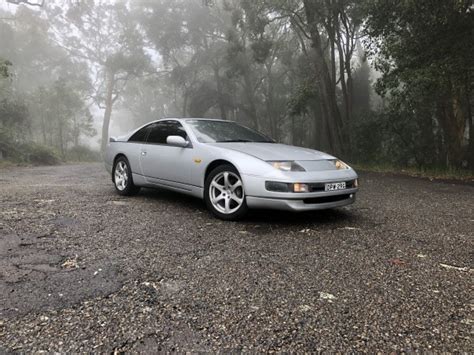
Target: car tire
x=123 y=178
x=224 y=193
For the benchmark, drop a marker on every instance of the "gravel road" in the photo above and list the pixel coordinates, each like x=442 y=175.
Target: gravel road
x=83 y=269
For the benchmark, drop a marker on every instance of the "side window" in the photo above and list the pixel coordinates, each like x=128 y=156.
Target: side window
x=139 y=136
x=161 y=130
x=176 y=129
x=157 y=133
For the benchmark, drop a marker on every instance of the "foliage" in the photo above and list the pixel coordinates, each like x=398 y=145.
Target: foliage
x=82 y=153
x=105 y=37
x=427 y=67
x=4 y=68
x=38 y=154
x=42 y=92
x=26 y=152
x=385 y=82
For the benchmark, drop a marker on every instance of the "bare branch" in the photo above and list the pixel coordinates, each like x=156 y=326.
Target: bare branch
x=26 y=2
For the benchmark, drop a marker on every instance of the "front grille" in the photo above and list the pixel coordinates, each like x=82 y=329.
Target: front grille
x=319 y=186
x=326 y=199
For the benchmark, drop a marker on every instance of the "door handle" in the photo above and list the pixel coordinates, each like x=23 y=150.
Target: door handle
x=143 y=153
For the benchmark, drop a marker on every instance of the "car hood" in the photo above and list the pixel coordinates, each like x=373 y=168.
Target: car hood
x=275 y=151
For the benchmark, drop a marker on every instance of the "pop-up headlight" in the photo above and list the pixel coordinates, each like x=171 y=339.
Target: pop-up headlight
x=286 y=165
x=340 y=165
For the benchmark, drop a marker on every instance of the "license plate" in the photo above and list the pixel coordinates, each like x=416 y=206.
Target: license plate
x=335 y=186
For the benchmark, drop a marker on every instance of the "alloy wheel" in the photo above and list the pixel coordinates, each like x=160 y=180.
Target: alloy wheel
x=121 y=175
x=226 y=192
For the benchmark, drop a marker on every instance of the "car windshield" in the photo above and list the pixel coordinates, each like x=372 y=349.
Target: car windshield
x=209 y=131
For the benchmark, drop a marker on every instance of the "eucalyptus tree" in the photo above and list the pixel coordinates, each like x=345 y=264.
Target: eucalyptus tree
x=190 y=39
x=25 y=42
x=105 y=36
x=327 y=31
x=13 y=111
x=424 y=50
x=265 y=46
x=50 y=85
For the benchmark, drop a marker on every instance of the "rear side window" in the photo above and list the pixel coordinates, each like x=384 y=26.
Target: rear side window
x=161 y=130
x=140 y=135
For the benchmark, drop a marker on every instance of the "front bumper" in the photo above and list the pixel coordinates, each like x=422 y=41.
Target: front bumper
x=301 y=204
x=257 y=196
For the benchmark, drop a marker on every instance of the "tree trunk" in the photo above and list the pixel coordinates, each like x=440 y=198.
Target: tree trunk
x=109 y=101
x=342 y=74
x=251 y=101
x=270 y=103
x=43 y=126
x=220 y=102
x=184 y=108
x=293 y=129
x=453 y=123
x=61 y=140
x=325 y=86
x=470 y=151
x=76 y=132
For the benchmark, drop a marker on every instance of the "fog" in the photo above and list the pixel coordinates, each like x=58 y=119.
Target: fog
x=343 y=77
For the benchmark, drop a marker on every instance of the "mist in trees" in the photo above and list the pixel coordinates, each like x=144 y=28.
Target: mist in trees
x=375 y=82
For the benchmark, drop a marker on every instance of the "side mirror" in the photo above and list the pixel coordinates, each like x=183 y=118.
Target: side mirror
x=176 y=141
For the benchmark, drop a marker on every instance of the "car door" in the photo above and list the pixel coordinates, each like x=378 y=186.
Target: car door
x=134 y=147
x=164 y=164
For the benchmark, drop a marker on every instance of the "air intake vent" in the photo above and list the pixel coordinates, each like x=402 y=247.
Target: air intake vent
x=326 y=199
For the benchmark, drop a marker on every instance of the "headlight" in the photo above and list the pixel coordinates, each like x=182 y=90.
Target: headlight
x=340 y=165
x=286 y=165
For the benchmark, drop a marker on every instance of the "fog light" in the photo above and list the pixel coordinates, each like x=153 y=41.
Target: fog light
x=300 y=187
x=277 y=186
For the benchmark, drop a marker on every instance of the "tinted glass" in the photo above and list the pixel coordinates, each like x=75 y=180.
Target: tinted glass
x=139 y=136
x=208 y=131
x=161 y=130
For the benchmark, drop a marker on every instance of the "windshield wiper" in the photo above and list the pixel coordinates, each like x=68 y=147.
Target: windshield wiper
x=243 y=141
x=234 y=141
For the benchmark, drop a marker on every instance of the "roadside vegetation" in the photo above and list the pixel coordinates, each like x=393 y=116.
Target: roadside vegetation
x=378 y=83
x=431 y=173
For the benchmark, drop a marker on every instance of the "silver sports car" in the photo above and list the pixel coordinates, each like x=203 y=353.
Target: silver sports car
x=233 y=168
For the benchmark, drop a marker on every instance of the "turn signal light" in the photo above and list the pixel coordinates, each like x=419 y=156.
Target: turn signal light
x=276 y=186
x=300 y=187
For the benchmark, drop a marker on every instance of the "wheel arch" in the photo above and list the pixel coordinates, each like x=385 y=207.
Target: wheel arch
x=117 y=156
x=214 y=164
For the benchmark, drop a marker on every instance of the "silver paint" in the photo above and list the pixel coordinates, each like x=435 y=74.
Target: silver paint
x=183 y=169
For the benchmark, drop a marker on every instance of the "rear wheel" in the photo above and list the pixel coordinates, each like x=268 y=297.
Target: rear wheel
x=224 y=193
x=123 y=179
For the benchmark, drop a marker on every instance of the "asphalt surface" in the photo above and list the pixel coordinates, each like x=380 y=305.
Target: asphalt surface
x=83 y=269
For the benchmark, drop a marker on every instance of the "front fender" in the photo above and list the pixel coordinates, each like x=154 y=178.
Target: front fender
x=246 y=165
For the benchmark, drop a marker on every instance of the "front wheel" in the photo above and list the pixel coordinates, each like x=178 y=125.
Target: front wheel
x=224 y=193
x=123 y=179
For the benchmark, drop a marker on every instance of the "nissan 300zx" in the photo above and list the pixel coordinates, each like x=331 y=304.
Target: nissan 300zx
x=232 y=167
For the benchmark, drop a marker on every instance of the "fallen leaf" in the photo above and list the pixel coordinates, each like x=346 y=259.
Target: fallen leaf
x=326 y=296
x=349 y=228
x=305 y=308
x=70 y=264
x=397 y=262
